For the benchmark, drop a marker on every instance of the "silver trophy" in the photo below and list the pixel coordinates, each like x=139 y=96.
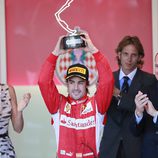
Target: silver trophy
x=73 y=40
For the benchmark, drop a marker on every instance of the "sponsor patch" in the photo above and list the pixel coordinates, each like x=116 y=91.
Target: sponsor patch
x=78 y=155
x=77 y=124
x=62 y=152
x=69 y=154
x=86 y=108
x=67 y=108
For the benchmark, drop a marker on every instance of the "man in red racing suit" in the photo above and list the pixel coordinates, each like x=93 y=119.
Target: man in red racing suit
x=77 y=119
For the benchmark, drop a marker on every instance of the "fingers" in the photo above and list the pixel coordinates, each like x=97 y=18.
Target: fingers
x=24 y=102
x=150 y=109
x=116 y=92
x=58 y=48
x=89 y=45
x=143 y=103
x=141 y=99
x=86 y=36
x=27 y=97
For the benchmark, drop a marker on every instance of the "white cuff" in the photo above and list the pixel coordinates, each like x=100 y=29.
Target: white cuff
x=138 y=118
x=155 y=118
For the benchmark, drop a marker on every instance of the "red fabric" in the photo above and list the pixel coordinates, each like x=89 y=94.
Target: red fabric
x=105 y=83
x=83 y=140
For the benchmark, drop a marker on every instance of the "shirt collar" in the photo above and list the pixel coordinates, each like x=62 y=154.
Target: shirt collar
x=130 y=75
x=79 y=101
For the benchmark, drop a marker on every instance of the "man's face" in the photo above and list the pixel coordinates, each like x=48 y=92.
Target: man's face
x=156 y=67
x=129 y=58
x=76 y=87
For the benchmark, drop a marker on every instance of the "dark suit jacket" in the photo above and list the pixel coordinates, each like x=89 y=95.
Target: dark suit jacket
x=118 y=118
x=147 y=128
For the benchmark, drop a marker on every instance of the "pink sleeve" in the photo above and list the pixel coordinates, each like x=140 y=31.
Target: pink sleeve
x=47 y=86
x=105 y=83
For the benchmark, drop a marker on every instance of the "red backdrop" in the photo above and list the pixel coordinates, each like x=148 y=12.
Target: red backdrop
x=32 y=31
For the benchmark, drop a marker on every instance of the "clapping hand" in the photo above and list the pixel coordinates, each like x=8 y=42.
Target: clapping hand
x=150 y=109
x=141 y=101
x=24 y=102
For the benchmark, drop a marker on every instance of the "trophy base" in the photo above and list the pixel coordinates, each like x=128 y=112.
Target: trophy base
x=73 y=41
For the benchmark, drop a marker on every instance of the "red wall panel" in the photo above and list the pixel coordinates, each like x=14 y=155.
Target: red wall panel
x=32 y=31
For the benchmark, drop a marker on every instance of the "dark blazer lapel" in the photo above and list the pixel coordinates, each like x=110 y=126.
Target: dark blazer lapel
x=153 y=92
x=116 y=77
x=136 y=82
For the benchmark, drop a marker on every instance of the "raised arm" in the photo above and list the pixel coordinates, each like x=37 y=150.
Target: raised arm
x=105 y=79
x=105 y=83
x=47 y=86
x=17 y=109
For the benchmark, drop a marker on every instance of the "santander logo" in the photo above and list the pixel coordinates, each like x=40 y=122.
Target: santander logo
x=77 y=124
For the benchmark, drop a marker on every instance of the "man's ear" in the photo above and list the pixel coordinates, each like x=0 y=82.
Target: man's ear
x=140 y=57
x=119 y=55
